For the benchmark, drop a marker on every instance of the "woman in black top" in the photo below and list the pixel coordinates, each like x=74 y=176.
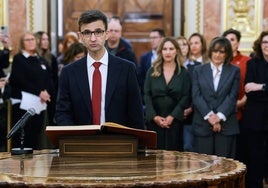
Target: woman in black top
x=254 y=129
x=30 y=73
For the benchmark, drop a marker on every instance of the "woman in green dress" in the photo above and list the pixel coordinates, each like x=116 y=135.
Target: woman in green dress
x=167 y=91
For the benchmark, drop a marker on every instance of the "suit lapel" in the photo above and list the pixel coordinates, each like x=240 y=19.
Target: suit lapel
x=81 y=74
x=208 y=76
x=224 y=75
x=112 y=78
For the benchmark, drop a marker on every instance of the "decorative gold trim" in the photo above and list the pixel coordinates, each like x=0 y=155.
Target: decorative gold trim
x=31 y=15
x=198 y=7
x=3 y=15
x=245 y=16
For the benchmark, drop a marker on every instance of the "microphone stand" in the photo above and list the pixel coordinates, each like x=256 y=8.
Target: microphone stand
x=20 y=126
x=21 y=150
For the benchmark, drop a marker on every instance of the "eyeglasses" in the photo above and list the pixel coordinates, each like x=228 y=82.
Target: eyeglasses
x=264 y=42
x=97 y=33
x=28 y=40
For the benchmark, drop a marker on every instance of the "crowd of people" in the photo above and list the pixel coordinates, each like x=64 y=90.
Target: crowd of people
x=207 y=99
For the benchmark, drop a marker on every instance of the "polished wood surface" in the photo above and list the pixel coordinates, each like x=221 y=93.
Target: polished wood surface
x=152 y=168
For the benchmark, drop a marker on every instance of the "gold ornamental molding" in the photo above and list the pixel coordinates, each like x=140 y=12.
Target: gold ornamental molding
x=245 y=16
x=3 y=12
x=31 y=15
x=193 y=17
x=197 y=26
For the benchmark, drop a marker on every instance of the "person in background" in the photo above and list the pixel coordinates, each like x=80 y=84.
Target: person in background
x=5 y=44
x=166 y=95
x=5 y=49
x=215 y=88
x=75 y=52
x=146 y=61
x=239 y=60
x=188 y=137
x=43 y=50
x=120 y=99
x=30 y=73
x=198 y=48
x=3 y=116
x=68 y=40
x=59 y=46
x=254 y=124
x=116 y=44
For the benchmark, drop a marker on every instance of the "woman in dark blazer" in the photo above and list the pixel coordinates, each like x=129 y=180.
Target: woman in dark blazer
x=254 y=129
x=166 y=95
x=214 y=93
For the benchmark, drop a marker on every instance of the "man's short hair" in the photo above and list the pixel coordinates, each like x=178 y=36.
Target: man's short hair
x=116 y=17
x=160 y=31
x=90 y=16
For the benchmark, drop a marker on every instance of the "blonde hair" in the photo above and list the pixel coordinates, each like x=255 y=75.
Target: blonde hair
x=158 y=63
x=21 y=44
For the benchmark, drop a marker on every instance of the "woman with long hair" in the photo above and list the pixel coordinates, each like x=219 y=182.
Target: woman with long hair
x=166 y=95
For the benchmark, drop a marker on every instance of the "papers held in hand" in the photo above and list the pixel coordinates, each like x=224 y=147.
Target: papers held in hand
x=146 y=138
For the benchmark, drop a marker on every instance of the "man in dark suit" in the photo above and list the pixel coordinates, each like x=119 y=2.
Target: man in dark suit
x=156 y=35
x=120 y=96
x=4 y=63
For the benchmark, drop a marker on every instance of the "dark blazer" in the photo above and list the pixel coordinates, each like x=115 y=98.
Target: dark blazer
x=206 y=99
x=4 y=61
x=122 y=101
x=190 y=69
x=144 y=65
x=124 y=51
x=255 y=115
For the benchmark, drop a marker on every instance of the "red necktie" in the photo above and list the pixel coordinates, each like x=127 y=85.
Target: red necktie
x=96 y=94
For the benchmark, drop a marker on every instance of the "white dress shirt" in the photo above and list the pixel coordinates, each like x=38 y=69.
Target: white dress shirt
x=104 y=71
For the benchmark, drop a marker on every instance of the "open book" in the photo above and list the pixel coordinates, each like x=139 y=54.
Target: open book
x=146 y=138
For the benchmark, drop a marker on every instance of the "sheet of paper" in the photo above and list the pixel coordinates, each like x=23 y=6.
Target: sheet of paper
x=30 y=100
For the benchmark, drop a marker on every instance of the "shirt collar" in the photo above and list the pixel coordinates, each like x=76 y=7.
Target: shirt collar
x=213 y=67
x=26 y=54
x=103 y=60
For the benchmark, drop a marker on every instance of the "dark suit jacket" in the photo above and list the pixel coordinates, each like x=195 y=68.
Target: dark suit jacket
x=255 y=115
x=122 y=101
x=124 y=51
x=206 y=99
x=144 y=65
x=4 y=61
x=190 y=69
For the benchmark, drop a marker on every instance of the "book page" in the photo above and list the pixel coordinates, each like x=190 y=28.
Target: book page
x=111 y=124
x=72 y=128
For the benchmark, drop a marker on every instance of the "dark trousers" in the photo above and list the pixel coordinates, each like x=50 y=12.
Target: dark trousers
x=216 y=144
x=3 y=127
x=252 y=153
x=33 y=129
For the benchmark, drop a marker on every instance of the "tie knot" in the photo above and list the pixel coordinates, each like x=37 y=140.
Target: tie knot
x=97 y=65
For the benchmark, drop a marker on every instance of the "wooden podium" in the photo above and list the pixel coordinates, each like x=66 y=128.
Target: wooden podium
x=108 y=140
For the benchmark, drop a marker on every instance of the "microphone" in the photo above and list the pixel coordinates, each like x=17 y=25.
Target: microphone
x=30 y=112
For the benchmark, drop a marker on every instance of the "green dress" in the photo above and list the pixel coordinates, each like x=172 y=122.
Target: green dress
x=167 y=99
